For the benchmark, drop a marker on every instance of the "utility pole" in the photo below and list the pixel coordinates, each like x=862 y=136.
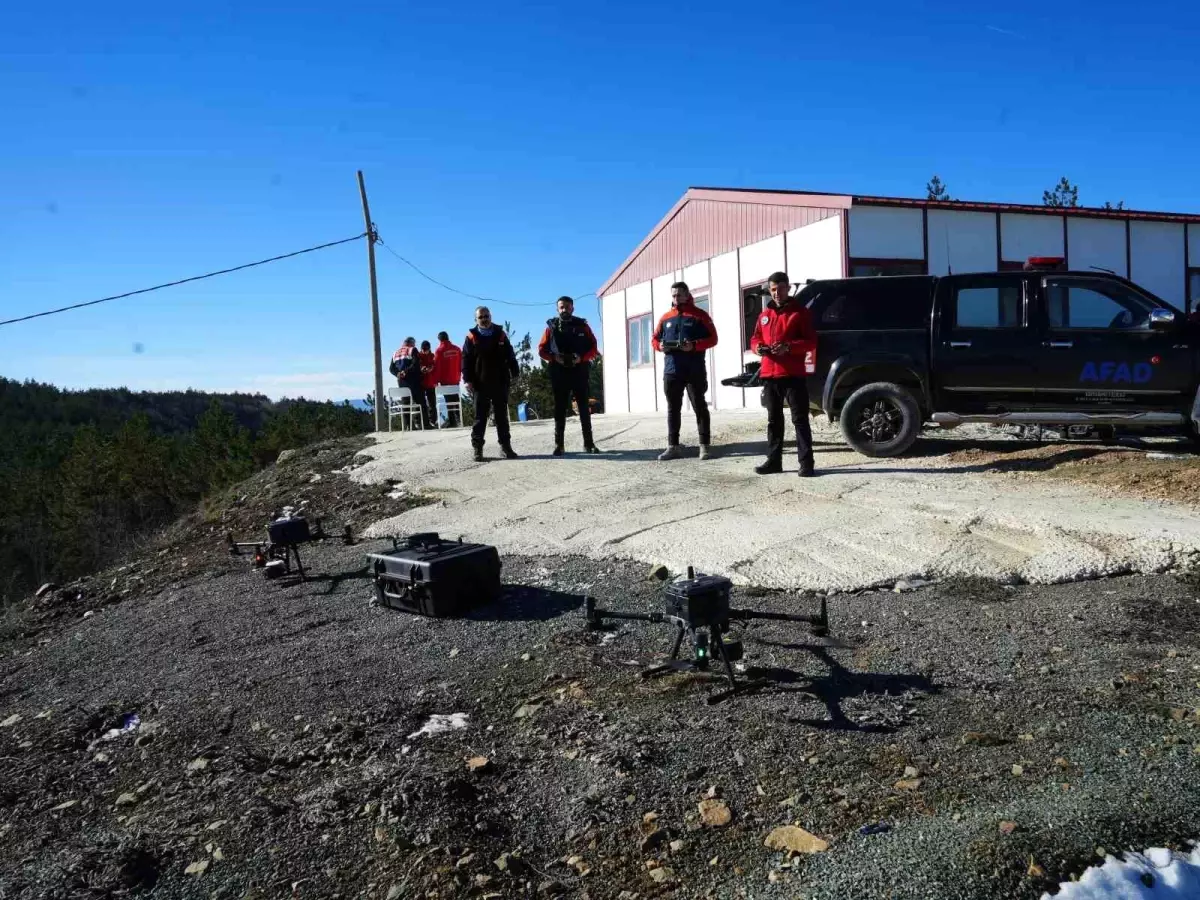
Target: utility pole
x=372 y=237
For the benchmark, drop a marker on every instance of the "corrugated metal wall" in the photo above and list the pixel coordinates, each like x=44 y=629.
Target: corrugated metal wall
x=703 y=229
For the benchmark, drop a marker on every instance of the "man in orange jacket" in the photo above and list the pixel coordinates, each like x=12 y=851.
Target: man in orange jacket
x=684 y=335
x=783 y=337
x=568 y=346
x=447 y=370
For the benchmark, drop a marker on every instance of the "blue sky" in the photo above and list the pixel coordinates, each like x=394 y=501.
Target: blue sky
x=515 y=151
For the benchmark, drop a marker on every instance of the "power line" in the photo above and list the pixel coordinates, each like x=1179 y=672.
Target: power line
x=159 y=287
x=454 y=290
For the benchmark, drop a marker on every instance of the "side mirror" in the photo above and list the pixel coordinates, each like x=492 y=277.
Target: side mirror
x=1162 y=319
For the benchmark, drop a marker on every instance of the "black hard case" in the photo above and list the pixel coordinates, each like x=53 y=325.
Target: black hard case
x=430 y=576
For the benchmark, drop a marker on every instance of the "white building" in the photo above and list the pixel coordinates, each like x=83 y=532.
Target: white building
x=725 y=243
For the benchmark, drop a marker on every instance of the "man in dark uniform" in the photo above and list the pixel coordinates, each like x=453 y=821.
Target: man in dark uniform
x=569 y=346
x=488 y=367
x=783 y=337
x=684 y=335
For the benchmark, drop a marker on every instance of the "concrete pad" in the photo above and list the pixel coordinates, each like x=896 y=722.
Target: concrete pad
x=861 y=523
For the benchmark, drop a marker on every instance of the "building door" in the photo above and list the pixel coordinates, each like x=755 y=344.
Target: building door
x=1098 y=350
x=702 y=302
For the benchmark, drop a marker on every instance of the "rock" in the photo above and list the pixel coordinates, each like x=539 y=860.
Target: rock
x=11 y=721
x=677 y=846
x=526 y=657
x=480 y=881
x=908 y=784
x=395 y=892
x=775 y=877
x=45 y=589
x=984 y=739
x=285 y=455
x=713 y=792
x=715 y=813
x=662 y=875
x=658 y=573
x=649 y=817
x=479 y=765
x=198 y=764
x=652 y=841
x=911 y=772
x=1007 y=827
x=127 y=800
x=1062 y=762
x=314 y=479
x=551 y=888
x=1018 y=770
x=465 y=861
x=453 y=652
x=506 y=862
x=1034 y=870
x=66 y=804
x=525 y=710
x=196 y=868
x=794 y=839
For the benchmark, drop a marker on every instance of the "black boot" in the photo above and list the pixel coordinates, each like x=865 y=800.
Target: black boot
x=558 y=449
x=806 y=470
x=591 y=448
x=509 y=452
x=478 y=452
x=770 y=467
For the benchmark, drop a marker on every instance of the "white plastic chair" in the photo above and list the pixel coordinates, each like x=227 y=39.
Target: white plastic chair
x=401 y=403
x=446 y=392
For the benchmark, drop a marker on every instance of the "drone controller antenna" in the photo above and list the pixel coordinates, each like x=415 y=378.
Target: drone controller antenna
x=691 y=572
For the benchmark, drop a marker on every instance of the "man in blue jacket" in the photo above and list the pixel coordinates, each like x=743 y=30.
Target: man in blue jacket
x=684 y=335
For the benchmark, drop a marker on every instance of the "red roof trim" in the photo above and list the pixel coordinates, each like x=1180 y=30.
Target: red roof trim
x=847 y=201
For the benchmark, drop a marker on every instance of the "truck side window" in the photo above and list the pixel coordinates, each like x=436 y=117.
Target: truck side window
x=1077 y=303
x=870 y=304
x=993 y=306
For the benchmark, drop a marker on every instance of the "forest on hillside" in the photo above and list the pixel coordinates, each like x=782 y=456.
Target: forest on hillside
x=86 y=474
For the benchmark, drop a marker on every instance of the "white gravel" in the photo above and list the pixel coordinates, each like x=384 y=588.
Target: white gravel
x=862 y=523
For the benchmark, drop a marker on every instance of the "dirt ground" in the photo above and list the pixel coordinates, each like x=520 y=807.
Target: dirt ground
x=962 y=740
x=1153 y=473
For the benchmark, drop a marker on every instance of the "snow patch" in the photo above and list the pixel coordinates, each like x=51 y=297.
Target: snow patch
x=1157 y=874
x=438 y=723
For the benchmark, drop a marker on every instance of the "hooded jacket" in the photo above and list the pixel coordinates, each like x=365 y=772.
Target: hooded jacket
x=447 y=364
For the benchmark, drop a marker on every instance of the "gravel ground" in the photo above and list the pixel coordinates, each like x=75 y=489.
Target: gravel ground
x=274 y=755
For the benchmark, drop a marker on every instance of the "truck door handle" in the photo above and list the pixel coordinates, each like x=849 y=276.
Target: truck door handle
x=959 y=344
x=1059 y=345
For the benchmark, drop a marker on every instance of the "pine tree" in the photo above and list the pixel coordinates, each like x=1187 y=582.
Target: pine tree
x=936 y=189
x=1064 y=194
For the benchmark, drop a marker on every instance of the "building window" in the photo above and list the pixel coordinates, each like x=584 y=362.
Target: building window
x=863 y=268
x=1193 y=290
x=754 y=300
x=702 y=302
x=640 y=330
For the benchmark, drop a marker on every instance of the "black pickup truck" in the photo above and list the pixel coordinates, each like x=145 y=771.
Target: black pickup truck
x=1040 y=346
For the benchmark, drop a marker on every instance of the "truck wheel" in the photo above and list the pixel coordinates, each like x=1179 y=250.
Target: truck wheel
x=881 y=419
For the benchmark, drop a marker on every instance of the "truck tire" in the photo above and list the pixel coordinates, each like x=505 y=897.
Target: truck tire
x=881 y=419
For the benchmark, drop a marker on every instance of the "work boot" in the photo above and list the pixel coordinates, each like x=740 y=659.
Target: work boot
x=558 y=449
x=704 y=452
x=509 y=452
x=591 y=448
x=672 y=452
x=478 y=452
x=770 y=467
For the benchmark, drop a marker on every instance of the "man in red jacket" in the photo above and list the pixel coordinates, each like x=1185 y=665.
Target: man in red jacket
x=428 y=380
x=783 y=337
x=447 y=370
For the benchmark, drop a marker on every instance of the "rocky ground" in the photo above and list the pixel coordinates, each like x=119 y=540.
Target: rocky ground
x=961 y=739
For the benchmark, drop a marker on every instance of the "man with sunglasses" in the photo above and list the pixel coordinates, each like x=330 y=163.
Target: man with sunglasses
x=488 y=366
x=684 y=336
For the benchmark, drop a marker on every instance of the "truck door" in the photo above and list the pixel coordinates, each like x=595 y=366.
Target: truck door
x=1099 y=350
x=983 y=345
